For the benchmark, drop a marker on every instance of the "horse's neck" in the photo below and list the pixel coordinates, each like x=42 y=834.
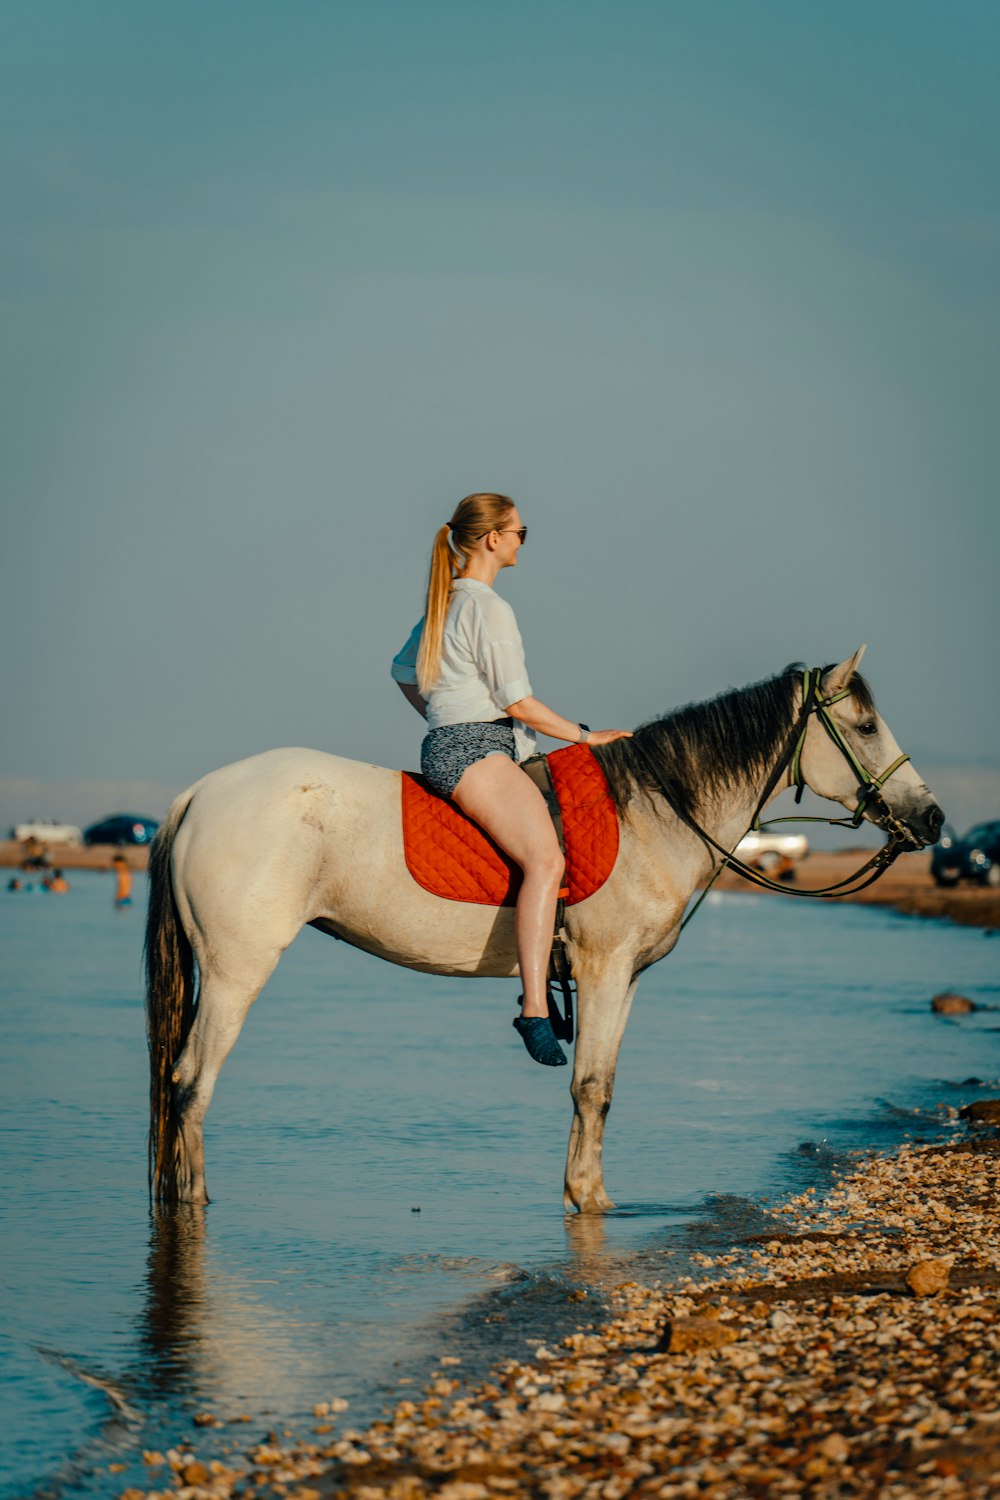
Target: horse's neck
x=728 y=815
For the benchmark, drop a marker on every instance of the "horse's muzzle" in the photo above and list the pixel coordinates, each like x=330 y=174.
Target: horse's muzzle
x=926 y=824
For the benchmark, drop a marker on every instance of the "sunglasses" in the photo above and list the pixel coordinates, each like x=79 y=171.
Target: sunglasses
x=519 y=531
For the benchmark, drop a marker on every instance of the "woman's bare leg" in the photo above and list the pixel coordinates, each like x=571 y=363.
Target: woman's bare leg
x=508 y=805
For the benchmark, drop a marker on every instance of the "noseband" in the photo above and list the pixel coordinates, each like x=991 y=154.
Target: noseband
x=870 y=799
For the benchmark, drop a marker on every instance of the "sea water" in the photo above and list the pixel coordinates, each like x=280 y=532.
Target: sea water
x=386 y=1163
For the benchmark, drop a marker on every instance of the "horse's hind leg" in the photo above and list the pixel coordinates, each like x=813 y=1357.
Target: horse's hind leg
x=605 y=1002
x=223 y=1003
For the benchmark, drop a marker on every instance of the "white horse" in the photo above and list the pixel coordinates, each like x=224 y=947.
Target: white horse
x=254 y=851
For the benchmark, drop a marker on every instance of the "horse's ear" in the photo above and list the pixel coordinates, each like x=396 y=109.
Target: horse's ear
x=838 y=678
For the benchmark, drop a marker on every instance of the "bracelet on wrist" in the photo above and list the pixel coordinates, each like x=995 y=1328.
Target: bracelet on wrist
x=584 y=734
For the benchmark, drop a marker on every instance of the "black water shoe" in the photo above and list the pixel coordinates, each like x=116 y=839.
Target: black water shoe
x=537 y=1035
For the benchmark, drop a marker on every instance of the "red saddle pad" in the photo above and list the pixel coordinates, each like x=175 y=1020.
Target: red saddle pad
x=450 y=856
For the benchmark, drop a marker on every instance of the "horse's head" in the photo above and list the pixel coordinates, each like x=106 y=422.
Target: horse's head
x=850 y=756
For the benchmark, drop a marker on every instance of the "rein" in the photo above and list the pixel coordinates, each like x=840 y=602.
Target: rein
x=871 y=797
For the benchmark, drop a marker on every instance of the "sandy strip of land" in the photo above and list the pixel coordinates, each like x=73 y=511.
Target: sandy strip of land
x=851 y=1350
x=906 y=886
x=76 y=856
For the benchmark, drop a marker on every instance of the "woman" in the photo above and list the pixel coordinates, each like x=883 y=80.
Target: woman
x=463 y=669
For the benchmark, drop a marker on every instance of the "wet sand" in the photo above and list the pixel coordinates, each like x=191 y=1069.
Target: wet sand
x=850 y=1350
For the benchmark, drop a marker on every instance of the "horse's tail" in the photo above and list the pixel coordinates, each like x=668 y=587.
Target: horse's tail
x=170 y=1007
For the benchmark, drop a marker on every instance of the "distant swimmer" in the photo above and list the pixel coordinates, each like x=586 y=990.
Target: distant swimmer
x=34 y=854
x=14 y=884
x=123 y=882
x=56 y=883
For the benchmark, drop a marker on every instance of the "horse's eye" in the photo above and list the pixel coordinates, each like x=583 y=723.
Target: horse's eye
x=868 y=727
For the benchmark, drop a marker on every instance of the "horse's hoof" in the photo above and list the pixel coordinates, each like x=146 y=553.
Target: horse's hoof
x=587 y=1202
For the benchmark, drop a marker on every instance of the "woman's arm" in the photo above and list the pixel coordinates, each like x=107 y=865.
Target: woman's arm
x=404 y=670
x=537 y=715
x=497 y=648
x=412 y=695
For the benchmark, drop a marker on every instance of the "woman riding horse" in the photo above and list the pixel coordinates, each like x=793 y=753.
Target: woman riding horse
x=463 y=670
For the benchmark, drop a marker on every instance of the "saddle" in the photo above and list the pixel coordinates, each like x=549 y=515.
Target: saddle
x=450 y=856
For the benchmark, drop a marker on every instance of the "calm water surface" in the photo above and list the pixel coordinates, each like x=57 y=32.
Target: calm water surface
x=777 y=1034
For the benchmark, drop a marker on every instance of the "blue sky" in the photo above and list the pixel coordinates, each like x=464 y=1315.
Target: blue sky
x=712 y=289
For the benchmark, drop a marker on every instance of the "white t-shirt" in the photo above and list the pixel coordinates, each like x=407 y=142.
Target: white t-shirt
x=482 y=663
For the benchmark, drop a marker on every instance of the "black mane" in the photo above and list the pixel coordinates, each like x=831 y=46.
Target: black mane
x=697 y=751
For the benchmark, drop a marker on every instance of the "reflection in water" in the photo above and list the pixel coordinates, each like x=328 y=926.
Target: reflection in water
x=586 y=1241
x=203 y=1335
x=170 y=1326
x=165 y=1364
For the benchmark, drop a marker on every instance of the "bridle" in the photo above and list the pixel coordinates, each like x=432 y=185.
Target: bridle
x=870 y=801
x=871 y=786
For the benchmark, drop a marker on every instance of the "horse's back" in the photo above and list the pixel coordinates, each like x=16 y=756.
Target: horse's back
x=283 y=806
x=293 y=836
x=272 y=780
x=274 y=769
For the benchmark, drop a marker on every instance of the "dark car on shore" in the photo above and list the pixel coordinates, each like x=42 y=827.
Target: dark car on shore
x=974 y=857
x=121 y=828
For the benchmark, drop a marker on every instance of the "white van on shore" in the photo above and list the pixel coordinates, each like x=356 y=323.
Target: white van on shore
x=47 y=832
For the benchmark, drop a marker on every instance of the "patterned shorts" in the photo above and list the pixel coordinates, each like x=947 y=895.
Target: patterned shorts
x=449 y=751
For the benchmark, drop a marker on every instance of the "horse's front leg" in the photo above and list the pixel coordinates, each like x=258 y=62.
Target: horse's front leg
x=605 y=999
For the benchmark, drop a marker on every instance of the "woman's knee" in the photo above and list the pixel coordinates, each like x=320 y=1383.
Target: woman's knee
x=546 y=863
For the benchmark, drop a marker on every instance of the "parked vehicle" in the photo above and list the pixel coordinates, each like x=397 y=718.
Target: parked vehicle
x=974 y=857
x=48 y=832
x=121 y=828
x=767 y=849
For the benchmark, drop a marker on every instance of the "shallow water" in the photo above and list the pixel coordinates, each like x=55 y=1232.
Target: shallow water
x=379 y=1203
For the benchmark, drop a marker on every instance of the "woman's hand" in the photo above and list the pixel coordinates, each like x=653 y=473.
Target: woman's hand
x=607 y=736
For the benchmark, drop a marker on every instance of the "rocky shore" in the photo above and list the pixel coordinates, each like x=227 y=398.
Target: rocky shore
x=851 y=1350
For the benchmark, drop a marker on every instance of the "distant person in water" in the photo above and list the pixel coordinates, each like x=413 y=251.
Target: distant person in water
x=33 y=854
x=123 y=881
x=56 y=883
x=14 y=884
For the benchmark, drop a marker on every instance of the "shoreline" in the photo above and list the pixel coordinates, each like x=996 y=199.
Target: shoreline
x=848 y=1349
x=77 y=856
x=906 y=887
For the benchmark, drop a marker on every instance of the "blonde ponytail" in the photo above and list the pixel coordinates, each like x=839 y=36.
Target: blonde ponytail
x=474 y=517
x=444 y=566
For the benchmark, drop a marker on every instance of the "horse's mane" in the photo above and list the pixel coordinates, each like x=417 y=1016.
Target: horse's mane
x=697 y=751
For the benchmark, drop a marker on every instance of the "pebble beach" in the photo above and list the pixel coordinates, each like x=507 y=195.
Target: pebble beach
x=850 y=1350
